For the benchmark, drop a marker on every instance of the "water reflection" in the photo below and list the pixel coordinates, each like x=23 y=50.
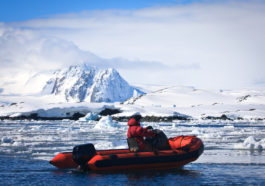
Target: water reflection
x=141 y=176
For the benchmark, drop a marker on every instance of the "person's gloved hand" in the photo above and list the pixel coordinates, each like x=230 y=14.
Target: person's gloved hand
x=149 y=127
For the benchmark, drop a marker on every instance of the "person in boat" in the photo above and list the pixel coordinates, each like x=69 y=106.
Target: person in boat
x=145 y=139
x=136 y=134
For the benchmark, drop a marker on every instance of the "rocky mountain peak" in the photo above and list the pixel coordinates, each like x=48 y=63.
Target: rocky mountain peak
x=85 y=83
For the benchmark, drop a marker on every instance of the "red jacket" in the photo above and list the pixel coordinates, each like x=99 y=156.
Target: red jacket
x=135 y=130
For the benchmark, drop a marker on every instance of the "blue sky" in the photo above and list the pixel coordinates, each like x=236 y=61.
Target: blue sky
x=20 y=10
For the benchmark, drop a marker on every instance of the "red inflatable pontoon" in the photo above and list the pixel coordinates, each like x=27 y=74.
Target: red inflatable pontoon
x=184 y=149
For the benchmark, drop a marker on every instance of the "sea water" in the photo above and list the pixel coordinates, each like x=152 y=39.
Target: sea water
x=234 y=153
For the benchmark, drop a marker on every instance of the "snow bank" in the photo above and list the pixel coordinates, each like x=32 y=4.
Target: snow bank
x=251 y=143
x=183 y=102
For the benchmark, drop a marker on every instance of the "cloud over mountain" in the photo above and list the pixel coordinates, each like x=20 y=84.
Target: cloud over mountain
x=203 y=44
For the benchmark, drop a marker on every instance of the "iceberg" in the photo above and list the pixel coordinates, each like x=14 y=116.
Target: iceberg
x=106 y=122
x=89 y=117
x=251 y=143
x=7 y=140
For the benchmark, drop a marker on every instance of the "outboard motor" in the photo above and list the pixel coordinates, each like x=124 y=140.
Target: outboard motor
x=83 y=153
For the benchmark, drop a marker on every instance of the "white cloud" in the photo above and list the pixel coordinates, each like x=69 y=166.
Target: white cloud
x=25 y=53
x=216 y=45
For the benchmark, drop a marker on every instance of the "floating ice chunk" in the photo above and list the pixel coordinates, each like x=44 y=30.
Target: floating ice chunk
x=111 y=145
x=229 y=127
x=211 y=135
x=251 y=143
x=106 y=122
x=7 y=140
x=104 y=145
x=250 y=140
x=90 y=116
x=18 y=144
x=197 y=132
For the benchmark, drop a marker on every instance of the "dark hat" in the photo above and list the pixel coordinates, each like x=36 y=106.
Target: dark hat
x=137 y=117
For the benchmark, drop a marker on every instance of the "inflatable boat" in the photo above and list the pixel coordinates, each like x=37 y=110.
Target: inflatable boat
x=183 y=150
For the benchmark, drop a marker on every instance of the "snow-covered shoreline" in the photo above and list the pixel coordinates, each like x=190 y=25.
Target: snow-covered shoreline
x=158 y=104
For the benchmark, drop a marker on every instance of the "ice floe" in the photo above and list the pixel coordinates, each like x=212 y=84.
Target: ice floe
x=106 y=122
x=43 y=139
x=6 y=140
x=251 y=143
x=89 y=117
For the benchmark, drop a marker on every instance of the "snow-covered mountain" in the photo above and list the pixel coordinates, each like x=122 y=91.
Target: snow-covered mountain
x=83 y=89
x=85 y=83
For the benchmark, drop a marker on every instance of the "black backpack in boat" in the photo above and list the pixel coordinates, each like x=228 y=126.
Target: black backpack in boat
x=83 y=153
x=160 y=141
